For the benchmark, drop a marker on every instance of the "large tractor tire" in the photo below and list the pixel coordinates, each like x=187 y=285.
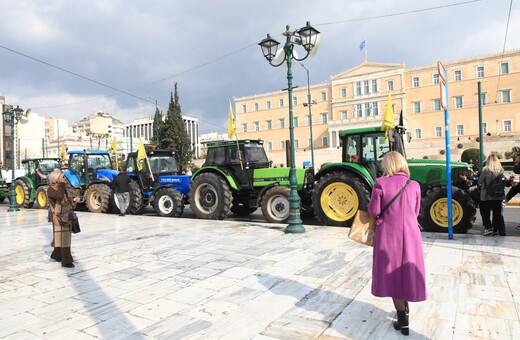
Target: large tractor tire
x=210 y=197
x=97 y=198
x=241 y=209
x=337 y=198
x=2 y=198
x=23 y=194
x=434 y=210
x=40 y=197
x=136 y=199
x=275 y=204
x=168 y=203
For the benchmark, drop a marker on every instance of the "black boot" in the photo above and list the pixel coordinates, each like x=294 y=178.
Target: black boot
x=402 y=322
x=406 y=308
x=56 y=254
x=66 y=258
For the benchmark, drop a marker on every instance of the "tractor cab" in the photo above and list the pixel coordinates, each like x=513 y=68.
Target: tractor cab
x=89 y=166
x=46 y=165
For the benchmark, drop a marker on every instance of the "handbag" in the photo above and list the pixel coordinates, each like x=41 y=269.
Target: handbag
x=70 y=219
x=364 y=225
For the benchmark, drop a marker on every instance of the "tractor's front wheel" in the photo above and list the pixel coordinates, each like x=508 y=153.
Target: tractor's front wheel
x=168 y=203
x=434 y=210
x=337 y=198
x=210 y=197
x=40 y=197
x=275 y=204
x=23 y=194
x=97 y=198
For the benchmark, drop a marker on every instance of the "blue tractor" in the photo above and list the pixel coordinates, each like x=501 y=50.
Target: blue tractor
x=167 y=191
x=90 y=172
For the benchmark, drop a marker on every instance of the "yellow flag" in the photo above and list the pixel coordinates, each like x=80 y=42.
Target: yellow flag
x=388 y=120
x=63 y=153
x=141 y=156
x=231 y=122
x=114 y=146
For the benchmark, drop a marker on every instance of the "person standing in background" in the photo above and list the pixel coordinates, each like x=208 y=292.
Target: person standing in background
x=121 y=188
x=489 y=201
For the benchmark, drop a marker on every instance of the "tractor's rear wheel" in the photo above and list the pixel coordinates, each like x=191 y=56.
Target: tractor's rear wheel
x=168 y=203
x=136 y=199
x=97 y=198
x=337 y=198
x=434 y=210
x=40 y=197
x=275 y=204
x=23 y=194
x=210 y=197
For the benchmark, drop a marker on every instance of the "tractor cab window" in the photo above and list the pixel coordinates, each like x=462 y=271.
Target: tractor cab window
x=396 y=140
x=76 y=162
x=234 y=157
x=352 y=149
x=216 y=156
x=255 y=154
x=130 y=165
x=29 y=167
x=96 y=162
x=162 y=164
x=46 y=166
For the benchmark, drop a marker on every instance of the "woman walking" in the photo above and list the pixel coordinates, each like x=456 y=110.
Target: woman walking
x=60 y=201
x=398 y=261
x=491 y=196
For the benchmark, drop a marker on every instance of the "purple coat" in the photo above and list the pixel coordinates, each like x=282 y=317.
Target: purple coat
x=398 y=260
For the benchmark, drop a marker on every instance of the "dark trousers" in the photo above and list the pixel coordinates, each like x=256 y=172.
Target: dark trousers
x=512 y=192
x=498 y=224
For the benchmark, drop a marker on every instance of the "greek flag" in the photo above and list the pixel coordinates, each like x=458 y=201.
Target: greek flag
x=362 y=45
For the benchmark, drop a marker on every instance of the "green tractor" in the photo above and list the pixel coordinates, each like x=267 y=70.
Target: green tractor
x=343 y=188
x=243 y=182
x=31 y=189
x=4 y=188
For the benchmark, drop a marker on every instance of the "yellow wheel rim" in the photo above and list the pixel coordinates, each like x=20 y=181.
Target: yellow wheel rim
x=339 y=201
x=439 y=212
x=42 y=199
x=20 y=195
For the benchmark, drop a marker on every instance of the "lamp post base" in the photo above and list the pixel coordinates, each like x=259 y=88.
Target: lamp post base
x=295 y=223
x=12 y=201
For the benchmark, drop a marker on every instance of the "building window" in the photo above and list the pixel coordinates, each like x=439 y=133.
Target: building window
x=435 y=79
x=295 y=100
x=256 y=126
x=367 y=109
x=390 y=85
x=244 y=108
x=268 y=105
x=309 y=142
x=504 y=68
x=366 y=88
x=358 y=111
x=436 y=105
x=459 y=102
x=480 y=72
x=280 y=102
x=343 y=114
x=416 y=107
x=374 y=108
x=282 y=144
x=269 y=124
x=460 y=129
x=343 y=93
x=295 y=121
x=256 y=106
x=324 y=117
x=438 y=131
x=418 y=133
x=415 y=82
x=374 y=85
x=506 y=96
x=323 y=96
x=358 y=88
x=325 y=141
x=296 y=143
x=458 y=75
x=484 y=128
x=507 y=126
x=281 y=123
x=244 y=127
x=309 y=122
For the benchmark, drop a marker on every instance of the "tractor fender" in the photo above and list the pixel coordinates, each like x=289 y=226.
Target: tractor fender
x=353 y=168
x=217 y=171
x=29 y=182
x=159 y=187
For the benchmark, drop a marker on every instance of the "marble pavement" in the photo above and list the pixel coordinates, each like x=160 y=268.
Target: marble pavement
x=147 y=277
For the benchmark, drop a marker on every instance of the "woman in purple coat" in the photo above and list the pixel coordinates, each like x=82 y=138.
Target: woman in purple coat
x=398 y=260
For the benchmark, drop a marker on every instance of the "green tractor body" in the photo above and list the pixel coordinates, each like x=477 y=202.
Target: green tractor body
x=241 y=182
x=4 y=188
x=343 y=188
x=30 y=189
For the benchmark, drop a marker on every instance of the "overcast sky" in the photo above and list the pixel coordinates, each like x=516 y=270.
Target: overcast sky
x=210 y=48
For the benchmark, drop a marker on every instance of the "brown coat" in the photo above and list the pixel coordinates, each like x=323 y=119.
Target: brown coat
x=62 y=234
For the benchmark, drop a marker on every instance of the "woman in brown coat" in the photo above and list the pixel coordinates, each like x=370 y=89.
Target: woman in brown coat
x=62 y=234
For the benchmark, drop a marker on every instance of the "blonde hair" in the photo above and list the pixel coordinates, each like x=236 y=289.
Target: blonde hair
x=493 y=164
x=394 y=162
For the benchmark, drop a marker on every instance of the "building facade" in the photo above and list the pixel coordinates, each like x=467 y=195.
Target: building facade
x=358 y=98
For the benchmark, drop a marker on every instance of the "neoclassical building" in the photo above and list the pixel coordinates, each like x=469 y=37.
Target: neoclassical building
x=358 y=98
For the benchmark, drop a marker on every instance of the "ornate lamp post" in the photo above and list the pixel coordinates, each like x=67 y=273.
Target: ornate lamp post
x=309 y=104
x=12 y=117
x=307 y=37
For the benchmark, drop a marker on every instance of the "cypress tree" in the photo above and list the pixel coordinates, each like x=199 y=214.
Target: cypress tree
x=157 y=123
x=173 y=132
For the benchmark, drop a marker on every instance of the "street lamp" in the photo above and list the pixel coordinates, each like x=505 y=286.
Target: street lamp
x=157 y=124
x=307 y=37
x=309 y=104
x=12 y=116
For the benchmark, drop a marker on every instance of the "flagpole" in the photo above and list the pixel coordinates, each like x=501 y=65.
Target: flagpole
x=236 y=138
